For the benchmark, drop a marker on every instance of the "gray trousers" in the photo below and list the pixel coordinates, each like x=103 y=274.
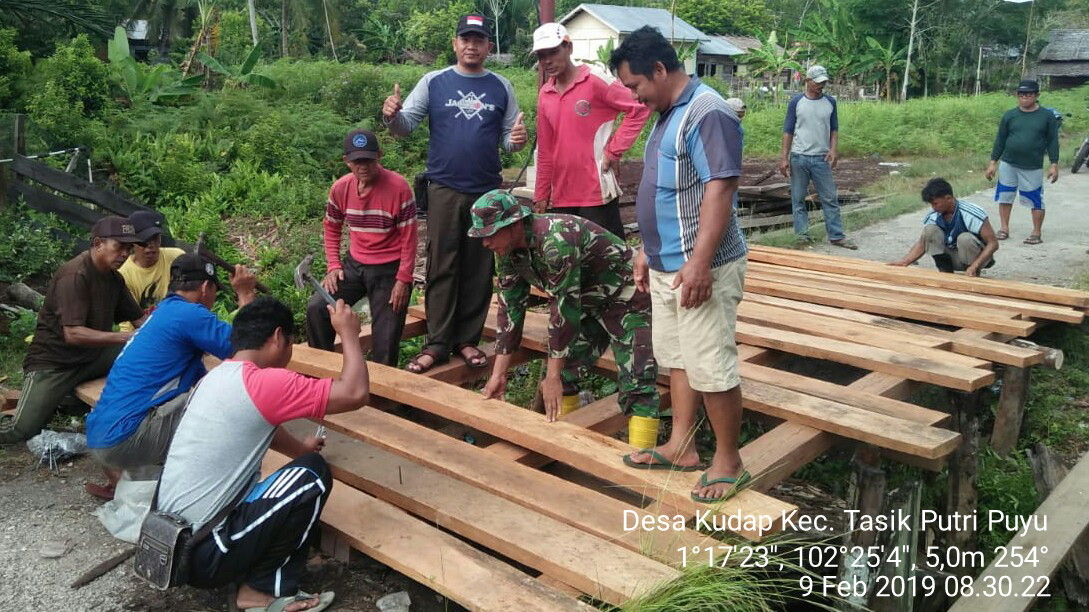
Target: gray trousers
x=969 y=246
x=150 y=442
x=43 y=390
x=459 y=272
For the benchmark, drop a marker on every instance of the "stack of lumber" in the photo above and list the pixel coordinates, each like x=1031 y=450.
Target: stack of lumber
x=532 y=515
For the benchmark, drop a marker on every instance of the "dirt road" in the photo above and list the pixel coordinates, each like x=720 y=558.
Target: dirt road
x=1055 y=262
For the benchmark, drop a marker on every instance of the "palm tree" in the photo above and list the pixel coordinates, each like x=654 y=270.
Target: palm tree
x=86 y=17
x=886 y=59
x=770 y=60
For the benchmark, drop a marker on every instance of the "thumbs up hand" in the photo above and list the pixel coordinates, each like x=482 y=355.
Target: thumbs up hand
x=393 y=103
x=518 y=134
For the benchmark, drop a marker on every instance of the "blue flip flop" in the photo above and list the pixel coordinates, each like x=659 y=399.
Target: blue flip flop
x=742 y=479
x=661 y=463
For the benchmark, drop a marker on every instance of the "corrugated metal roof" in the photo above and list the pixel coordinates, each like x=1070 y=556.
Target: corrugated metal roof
x=627 y=19
x=719 y=46
x=1066 y=45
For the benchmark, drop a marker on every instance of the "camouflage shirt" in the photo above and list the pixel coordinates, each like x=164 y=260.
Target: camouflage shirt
x=579 y=265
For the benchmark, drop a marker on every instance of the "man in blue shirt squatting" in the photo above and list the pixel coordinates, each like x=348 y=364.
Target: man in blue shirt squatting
x=810 y=137
x=956 y=233
x=144 y=398
x=693 y=256
x=472 y=113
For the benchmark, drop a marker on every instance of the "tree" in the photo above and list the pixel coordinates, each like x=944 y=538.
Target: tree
x=241 y=75
x=497 y=7
x=14 y=68
x=726 y=16
x=886 y=59
x=143 y=84
x=835 y=38
x=771 y=60
x=432 y=31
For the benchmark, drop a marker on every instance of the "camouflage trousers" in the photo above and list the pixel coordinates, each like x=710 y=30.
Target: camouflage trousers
x=623 y=325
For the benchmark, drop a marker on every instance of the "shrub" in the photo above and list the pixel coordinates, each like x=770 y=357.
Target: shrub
x=14 y=69
x=432 y=31
x=236 y=40
x=69 y=86
x=29 y=248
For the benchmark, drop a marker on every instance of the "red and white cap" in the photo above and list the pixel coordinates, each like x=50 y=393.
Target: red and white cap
x=549 y=36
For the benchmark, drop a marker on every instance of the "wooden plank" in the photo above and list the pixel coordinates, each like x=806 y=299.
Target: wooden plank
x=777 y=454
x=76 y=187
x=1024 y=307
x=867 y=357
x=582 y=508
x=414 y=326
x=429 y=556
x=837 y=329
x=604 y=570
x=890 y=308
x=925 y=278
x=1066 y=520
x=45 y=202
x=1011 y=407
x=759 y=514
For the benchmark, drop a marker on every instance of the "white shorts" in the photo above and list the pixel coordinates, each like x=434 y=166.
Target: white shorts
x=699 y=340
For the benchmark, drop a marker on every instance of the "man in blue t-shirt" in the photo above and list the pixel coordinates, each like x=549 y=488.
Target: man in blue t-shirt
x=956 y=233
x=472 y=113
x=146 y=389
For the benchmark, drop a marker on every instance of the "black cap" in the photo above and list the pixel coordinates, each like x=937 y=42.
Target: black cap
x=118 y=228
x=474 y=23
x=361 y=144
x=193 y=267
x=1028 y=86
x=147 y=223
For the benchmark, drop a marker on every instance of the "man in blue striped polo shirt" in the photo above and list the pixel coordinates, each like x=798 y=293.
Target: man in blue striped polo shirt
x=956 y=233
x=693 y=256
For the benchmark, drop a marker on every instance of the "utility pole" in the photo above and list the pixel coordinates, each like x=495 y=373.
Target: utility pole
x=911 y=47
x=979 y=69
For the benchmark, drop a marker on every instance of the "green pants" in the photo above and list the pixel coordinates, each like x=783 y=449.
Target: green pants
x=625 y=326
x=43 y=390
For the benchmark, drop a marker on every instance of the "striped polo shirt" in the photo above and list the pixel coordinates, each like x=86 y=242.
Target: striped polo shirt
x=696 y=141
x=967 y=217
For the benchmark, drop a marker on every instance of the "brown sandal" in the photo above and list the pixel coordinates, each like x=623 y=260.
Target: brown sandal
x=478 y=359
x=416 y=367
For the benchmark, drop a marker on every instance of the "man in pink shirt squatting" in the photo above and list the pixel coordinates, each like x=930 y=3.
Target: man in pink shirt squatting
x=380 y=210
x=212 y=469
x=577 y=162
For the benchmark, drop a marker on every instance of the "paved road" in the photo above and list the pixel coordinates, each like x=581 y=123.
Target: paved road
x=1055 y=262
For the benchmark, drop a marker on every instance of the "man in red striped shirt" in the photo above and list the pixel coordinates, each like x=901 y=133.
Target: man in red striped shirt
x=380 y=210
x=577 y=161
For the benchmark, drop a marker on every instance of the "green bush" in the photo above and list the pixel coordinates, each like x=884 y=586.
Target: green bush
x=14 y=69
x=29 y=250
x=72 y=80
x=432 y=31
x=236 y=40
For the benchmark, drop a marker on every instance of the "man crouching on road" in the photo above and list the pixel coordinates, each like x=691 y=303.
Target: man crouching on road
x=74 y=339
x=232 y=417
x=956 y=233
x=593 y=301
x=145 y=393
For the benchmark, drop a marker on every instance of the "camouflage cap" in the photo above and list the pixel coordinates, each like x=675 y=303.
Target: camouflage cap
x=493 y=211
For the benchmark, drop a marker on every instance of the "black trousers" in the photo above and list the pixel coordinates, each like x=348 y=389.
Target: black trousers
x=264 y=541
x=459 y=272
x=376 y=282
x=607 y=215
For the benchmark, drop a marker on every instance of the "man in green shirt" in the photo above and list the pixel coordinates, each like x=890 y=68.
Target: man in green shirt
x=1024 y=134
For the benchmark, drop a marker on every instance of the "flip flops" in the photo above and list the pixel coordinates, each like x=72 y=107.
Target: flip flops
x=1002 y=235
x=660 y=462
x=742 y=479
x=1034 y=239
x=280 y=604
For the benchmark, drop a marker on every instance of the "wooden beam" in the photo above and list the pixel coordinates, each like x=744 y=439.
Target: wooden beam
x=76 y=187
x=867 y=357
x=924 y=278
x=759 y=514
x=582 y=508
x=602 y=569
x=431 y=557
x=1066 y=520
x=1011 y=408
x=46 y=202
x=414 y=326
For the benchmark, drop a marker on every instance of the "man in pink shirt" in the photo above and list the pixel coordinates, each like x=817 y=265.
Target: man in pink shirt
x=380 y=211
x=577 y=162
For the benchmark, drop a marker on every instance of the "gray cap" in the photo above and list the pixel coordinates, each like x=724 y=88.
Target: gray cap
x=817 y=73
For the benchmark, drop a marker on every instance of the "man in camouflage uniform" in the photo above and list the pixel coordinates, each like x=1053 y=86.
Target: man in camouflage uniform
x=587 y=274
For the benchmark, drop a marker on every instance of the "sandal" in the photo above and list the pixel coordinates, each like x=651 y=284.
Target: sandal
x=845 y=243
x=278 y=605
x=477 y=359
x=1033 y=239
x=103 y=492
x=659 y=463
x=1002 y=235
x=416 y=367
x=742 y=479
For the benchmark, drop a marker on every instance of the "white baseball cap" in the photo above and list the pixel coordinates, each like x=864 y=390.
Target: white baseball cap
x=736 y=104
x=549 y=36
x=817 y=73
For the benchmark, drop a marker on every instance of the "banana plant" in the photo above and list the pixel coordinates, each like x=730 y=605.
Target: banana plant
x=771 y=60
x=243 y=74
x=143 y=84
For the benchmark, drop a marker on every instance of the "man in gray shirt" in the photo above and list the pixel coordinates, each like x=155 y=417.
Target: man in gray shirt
x=472 y=113
x=810 y=135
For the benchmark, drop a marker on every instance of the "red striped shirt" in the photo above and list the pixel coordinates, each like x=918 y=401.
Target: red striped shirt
x=381 y=224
